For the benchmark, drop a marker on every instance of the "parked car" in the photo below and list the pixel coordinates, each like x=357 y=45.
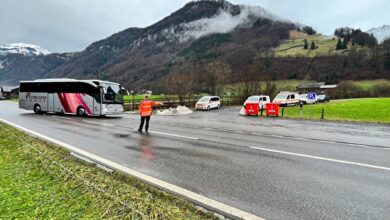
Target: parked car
x=287 y=98
x=323 y=98
x=262 y=100
x=304 y=98
x=208 y=103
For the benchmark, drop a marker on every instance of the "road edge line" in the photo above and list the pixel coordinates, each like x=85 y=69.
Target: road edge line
x=322 y=158
x=209 y=204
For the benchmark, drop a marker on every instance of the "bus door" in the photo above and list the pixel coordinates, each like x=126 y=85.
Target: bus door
x=50 y=102
x=97 y=103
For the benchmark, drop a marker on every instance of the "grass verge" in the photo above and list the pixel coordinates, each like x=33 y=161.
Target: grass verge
x=43 y=181
x=376 y=110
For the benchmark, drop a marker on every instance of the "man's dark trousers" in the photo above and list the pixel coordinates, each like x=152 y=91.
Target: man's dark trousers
x=142 y=123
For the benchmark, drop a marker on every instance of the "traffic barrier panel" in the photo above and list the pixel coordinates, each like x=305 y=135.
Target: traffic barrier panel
x=252 y=109
x=272 y=109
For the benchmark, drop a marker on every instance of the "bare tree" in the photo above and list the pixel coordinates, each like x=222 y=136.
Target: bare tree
x=270 y=89
x=182 y=82
x=249 y=83
x=216 y=78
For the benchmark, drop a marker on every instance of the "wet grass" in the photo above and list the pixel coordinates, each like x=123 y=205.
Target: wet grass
x=43 y=181
x=376 y=110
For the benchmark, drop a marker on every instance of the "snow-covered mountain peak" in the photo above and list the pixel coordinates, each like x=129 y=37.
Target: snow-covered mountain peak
x=381 y=33
x=22 y=48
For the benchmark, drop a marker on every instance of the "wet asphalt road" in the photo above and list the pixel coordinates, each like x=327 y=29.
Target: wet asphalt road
x=273 y=168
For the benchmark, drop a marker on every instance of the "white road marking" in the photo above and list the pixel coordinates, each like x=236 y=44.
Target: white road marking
x=154 y=132
x=198 y=199
x=174 y=135
x=322 y=158
x=320 y=140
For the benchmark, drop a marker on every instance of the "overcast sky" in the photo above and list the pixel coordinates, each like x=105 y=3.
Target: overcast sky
x=71 y=25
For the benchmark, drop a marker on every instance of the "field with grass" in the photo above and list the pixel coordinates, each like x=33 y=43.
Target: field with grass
x=369 y=85
x=43 y=181
x=127 y=98
x=294 y=46
x=375 y=110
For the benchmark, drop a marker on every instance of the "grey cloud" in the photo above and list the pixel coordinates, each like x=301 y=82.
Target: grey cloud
x=71 y=25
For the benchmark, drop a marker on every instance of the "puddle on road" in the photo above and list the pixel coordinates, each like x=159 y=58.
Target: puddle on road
x=190 y=153
x=144 y=147
x=121 y=135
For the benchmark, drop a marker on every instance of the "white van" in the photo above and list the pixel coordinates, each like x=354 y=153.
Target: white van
x=287 y=98
x=261 y=99
x=208 y=102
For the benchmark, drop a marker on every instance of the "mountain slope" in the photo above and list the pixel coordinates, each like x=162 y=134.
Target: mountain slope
x=139 y=58
x=17 y=67
x=381 y=33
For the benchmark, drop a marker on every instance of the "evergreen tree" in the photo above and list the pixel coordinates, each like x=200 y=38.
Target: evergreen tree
x=313 y=45
x=348 y=37
x=339 y=45
x=305 y=46
x=309 y=30
x=345 y=44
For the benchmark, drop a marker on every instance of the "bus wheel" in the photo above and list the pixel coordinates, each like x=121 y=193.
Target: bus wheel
x=37 y=109
x=80 y=111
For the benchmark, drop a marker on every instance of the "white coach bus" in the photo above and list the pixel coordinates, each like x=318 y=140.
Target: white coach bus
x=71 y=96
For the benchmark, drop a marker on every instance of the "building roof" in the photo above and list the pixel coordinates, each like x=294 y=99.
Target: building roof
x=328 y=87
x=315 y=85
x=8 y=88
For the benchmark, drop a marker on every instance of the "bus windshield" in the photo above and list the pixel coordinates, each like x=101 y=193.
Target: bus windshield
x=112 y=93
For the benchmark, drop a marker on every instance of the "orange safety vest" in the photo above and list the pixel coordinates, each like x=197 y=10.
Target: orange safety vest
x=146 y=108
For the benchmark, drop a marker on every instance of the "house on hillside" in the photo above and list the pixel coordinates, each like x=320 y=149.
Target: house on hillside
x=318 y=87
x=145 y=92
x=9 y=92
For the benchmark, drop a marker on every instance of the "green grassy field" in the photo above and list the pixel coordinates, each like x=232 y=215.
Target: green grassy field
x=42 y=181
x=294 y=46
x=358 y=110
x=369 y=85
x=127 y=98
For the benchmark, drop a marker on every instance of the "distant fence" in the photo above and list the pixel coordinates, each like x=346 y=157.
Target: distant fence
x=13 y=99
x=171 y=101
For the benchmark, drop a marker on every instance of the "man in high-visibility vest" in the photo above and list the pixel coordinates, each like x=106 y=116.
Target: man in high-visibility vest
x=145 y=111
